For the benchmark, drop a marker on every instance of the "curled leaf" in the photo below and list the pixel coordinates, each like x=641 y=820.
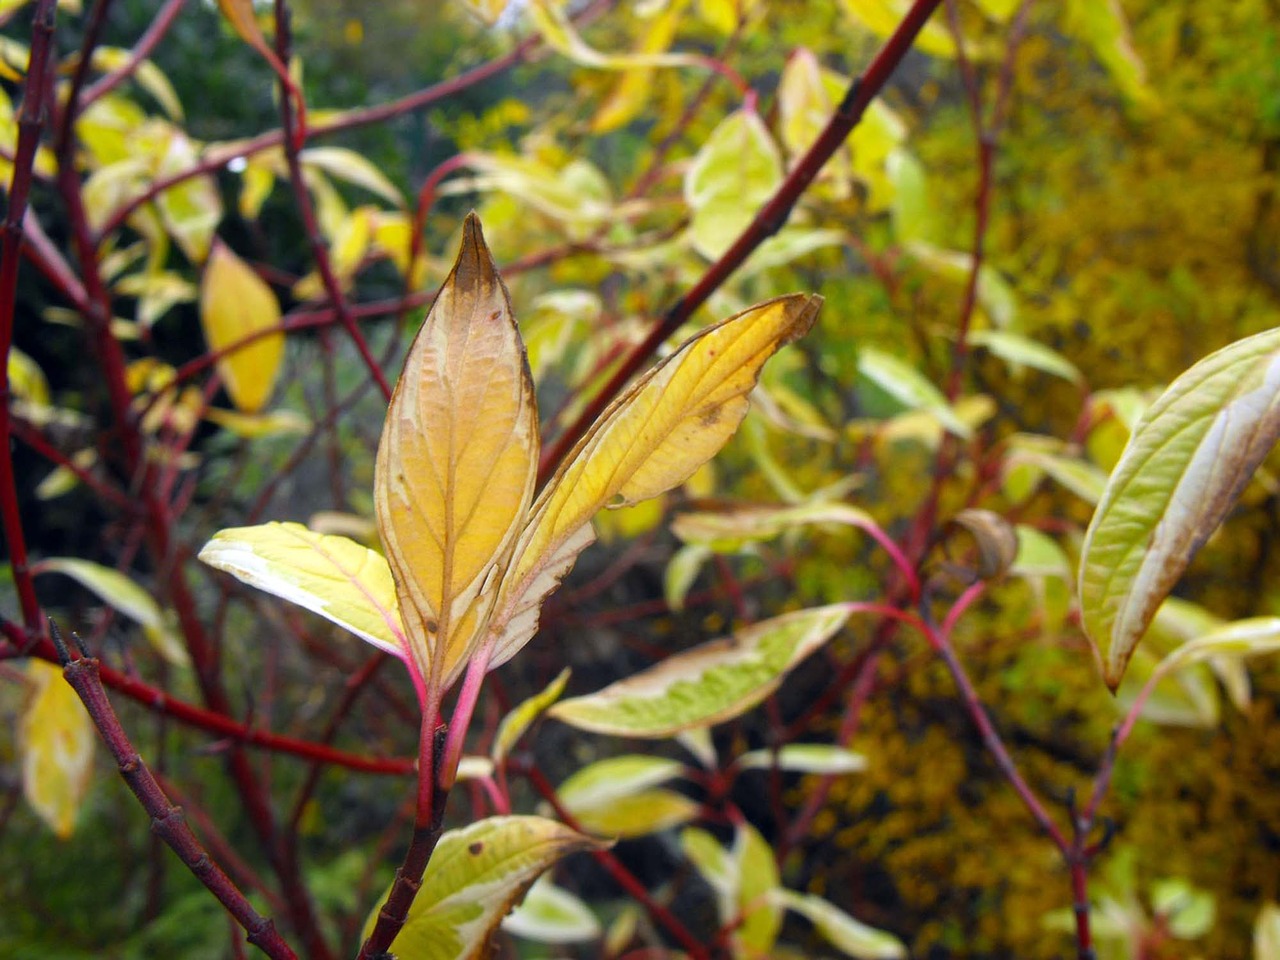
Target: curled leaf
x=995 y=537
x=1189 y=458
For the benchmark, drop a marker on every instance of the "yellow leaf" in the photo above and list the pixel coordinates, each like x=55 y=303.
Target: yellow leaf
x=192 y=209
x=457 y=462
x=118 y=590
x=488 y=12
x=557 y=31
x=654 y=437
x=240 y=15
x=26 y=379
x=882 y=17
x=234 y=304
x=341 y=580
x=57 y=749
x=632 y=91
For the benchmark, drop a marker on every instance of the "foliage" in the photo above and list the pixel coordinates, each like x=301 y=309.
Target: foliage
x=1041 y=391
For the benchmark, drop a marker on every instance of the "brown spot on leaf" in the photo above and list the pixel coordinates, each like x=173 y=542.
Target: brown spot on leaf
x=476 y=848
x=432 y=626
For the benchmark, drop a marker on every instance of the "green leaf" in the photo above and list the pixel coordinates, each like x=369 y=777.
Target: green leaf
x=913 y=215
x=711 y=860
x=806 y=758
x=515 y=723
x=192 y=209
x=736 y=170
x=1183 y=621
x=126 y=596
x=1039 y=555
x=745 y=880
x=708 y=684
x=476 y=875
x=1031 y=455
x=551 y=914
x=1188 y=698
x=602 y=783
x=1189 y=458
x=682 y=570
x=355 y=169
x=731 y=530
x=1019 y=351
x=1190 y=911
x=995 y=296
x=909 y=387
x=842 y=931
x=1101 y=24
x=639 y=814
x=758 y=880
x=341 y=580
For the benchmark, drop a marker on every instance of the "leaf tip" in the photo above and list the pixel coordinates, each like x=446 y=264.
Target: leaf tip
x=808 y=314
x=473 y=254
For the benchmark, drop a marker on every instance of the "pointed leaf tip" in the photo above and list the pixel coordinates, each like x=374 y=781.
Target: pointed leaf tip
x=457 y=462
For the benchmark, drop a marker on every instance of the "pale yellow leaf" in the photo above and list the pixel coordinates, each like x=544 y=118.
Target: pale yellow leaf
x=354 y=169
x=849 y=936
x=236 y=303
x=551 y=914
x=628 y=98
x=552 y=21
x=457 y=462
x=122 y=593
x=57 y=739
x=1266 y=933
x=341 y=580
x=670 y=422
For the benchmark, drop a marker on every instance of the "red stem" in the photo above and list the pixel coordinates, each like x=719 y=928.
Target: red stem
x=294 y=138
x=167 y=820
x=149 y=40
x=221 y=724
x=427 y=827
x=30 y=121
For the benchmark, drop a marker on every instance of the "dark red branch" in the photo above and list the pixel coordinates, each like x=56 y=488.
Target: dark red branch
x=30 y=121
x=150 y=38
x=221 y=724
x=167 y=821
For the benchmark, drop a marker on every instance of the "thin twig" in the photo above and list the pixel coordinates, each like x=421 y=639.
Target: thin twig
x=166 y=819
